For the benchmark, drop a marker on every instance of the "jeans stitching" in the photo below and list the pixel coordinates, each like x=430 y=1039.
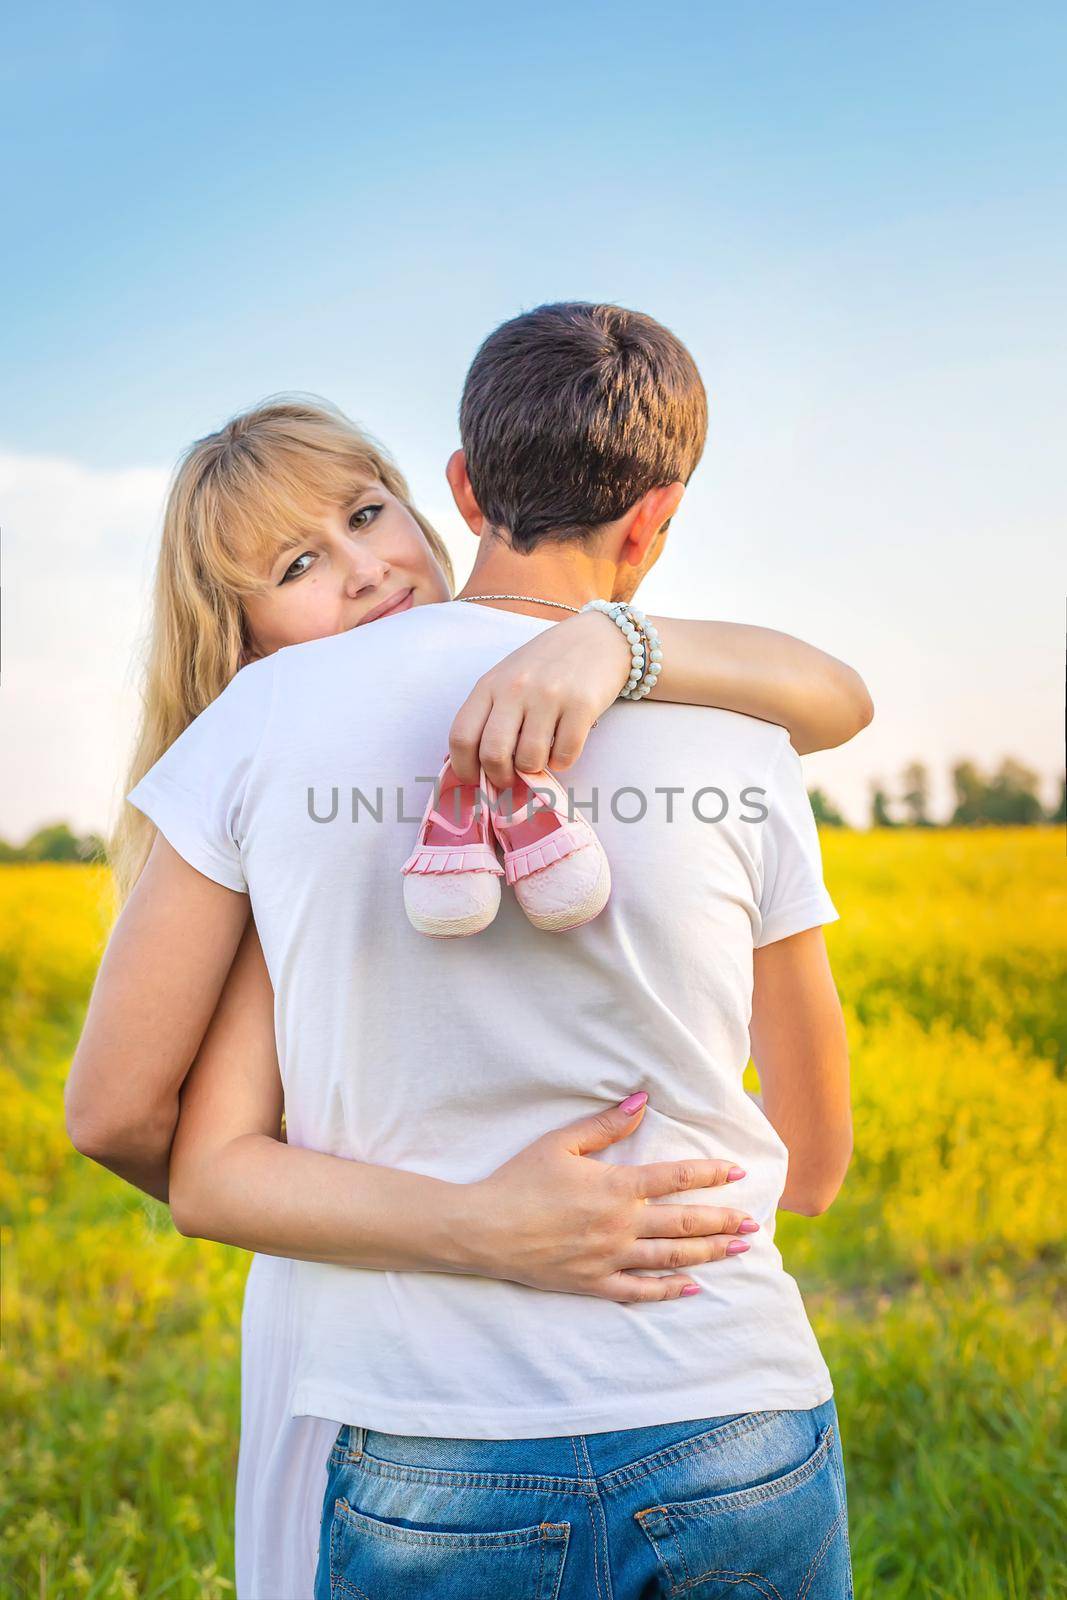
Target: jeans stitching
x=687 y=1581
x=618 y=1477
x=755 y=1580
x=337 y=1582
x=809 y=1576
x=506 y=1482
x=506 y=1539
x=340 y=1587
x=580 y=1452
x=634 y=1471
x=518 y=1482
x=551 y=1535
x=661 y=1555
x=738 y=1499
x=562 y=1544
x=839 y=1469
x=593 y=1536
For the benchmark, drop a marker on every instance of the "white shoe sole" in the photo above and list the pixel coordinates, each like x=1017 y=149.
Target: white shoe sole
x=591 y=906
x=453 y=927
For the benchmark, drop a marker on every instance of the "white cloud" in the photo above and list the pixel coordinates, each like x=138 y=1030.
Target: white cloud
x=78 y=551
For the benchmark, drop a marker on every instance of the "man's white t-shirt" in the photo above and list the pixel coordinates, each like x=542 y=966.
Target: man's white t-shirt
x=304 y=784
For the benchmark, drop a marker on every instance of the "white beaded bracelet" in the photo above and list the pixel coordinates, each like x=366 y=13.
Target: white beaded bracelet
x=646 y=651
x=653 y=657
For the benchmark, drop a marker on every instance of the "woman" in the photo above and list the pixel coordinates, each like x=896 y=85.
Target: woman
x=261 y=550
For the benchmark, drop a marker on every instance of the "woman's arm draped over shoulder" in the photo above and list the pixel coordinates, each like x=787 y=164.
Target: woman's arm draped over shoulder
x=535 y=708
x=819 y=700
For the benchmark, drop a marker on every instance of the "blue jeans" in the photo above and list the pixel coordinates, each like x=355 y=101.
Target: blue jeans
x=747 y=1505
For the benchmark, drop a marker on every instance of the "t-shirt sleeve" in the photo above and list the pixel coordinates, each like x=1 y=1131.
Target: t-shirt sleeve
x=196 y=791
x=793 y=896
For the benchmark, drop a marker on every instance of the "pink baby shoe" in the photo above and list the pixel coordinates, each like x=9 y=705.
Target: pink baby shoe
x=452 y=877
x=555 y=863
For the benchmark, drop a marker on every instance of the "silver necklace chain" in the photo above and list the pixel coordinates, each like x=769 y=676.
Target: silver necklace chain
x=533 y=599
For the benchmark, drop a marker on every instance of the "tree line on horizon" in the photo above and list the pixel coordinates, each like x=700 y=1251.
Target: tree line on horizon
x=1007 y=797
x=55 y=842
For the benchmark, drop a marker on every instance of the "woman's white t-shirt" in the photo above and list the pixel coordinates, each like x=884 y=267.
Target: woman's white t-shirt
x=304 y=784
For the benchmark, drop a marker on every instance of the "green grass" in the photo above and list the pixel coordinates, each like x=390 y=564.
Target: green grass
x=932 y=1282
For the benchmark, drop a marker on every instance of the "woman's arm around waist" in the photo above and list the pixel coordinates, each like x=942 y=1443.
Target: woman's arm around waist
x=546 y=1217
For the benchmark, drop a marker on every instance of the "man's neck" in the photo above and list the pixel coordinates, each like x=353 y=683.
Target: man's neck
x=559 y=572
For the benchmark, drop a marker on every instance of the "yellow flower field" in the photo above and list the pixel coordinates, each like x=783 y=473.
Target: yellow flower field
x=934 y=1281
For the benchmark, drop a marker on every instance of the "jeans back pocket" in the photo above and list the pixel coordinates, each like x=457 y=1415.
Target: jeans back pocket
x=375 y=1559
x=786 y=1539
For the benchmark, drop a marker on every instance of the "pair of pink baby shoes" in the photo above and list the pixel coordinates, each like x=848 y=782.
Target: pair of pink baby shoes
x=555 y=863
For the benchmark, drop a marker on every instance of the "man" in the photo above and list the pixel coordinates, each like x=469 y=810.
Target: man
x=581 y=426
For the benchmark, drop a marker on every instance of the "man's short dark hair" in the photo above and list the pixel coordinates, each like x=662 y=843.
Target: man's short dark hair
x=573 y=411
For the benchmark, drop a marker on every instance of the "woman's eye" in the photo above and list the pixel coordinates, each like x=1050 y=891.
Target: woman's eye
x=296 y=570
x=363 y=517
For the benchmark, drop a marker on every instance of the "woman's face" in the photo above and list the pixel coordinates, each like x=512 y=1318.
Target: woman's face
x=365 y=561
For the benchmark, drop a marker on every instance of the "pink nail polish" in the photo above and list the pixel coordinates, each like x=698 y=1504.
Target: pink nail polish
x=735 y=1173
x=735 y=1247
x=750 y=1225
x=692 y=1288
x=632 y=1102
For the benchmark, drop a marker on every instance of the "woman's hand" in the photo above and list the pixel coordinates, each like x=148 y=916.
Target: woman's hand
x=551 y=1218
x=534 y=709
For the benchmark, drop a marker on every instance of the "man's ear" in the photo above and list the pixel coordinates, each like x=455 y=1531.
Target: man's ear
x=650 y=515
x=462 y=493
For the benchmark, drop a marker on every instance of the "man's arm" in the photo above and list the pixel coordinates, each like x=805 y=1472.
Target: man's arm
x=154 y=995
x=801 y=1053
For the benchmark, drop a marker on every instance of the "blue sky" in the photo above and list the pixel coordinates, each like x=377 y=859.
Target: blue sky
x=854 y=216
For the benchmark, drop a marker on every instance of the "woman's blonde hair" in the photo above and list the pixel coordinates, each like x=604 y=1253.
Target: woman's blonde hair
x=236 y=498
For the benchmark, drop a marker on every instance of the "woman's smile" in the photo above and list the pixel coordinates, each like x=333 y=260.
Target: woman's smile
x=400 y=600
